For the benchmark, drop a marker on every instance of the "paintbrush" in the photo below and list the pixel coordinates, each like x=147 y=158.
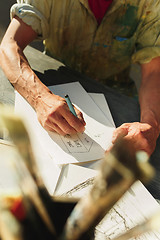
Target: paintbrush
x=29 y=177
x=18 y=133
x=121 y=167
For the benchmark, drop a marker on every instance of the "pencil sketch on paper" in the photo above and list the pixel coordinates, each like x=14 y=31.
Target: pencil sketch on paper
x=80 y=189
x=80 y=147
x=128 y=212
x=86 y=147
x=77 y=143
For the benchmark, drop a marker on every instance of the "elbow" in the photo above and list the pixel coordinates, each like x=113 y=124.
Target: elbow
x=3 y=52
x=7 y=53
x=2 y=56
x=6 y=58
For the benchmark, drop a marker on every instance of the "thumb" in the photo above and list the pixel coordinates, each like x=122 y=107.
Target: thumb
x=119 y=133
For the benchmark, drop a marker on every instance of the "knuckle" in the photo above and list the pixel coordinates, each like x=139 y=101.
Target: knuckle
x=53 y=114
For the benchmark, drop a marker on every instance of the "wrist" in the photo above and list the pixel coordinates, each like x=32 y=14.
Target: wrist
x=41 y=98
x=151 y=120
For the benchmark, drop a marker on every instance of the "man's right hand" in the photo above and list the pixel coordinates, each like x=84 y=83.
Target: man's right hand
x=54 y=115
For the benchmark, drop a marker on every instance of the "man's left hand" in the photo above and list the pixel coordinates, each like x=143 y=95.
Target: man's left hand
x=142 y=135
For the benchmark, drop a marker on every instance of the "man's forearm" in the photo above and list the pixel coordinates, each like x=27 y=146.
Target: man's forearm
x=18 y=71
x=149 y=98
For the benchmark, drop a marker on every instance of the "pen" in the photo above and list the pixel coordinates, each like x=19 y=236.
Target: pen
x=71 y=108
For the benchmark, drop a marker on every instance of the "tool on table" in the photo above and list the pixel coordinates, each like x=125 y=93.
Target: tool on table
x=121 y=167
x=30 y=180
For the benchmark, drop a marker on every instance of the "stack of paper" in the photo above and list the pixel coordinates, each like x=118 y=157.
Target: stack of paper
x=58 y=156
x=80 y=148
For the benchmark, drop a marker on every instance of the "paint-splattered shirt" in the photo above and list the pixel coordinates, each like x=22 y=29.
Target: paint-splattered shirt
x=129 y=32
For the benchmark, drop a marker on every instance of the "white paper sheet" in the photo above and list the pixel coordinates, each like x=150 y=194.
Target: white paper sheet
x=71 y=176
x=101 y=102
x=134 y=207
x=49 y=170
x=79 y=148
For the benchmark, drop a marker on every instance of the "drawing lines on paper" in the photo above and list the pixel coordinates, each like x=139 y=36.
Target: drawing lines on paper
x=114 y=223
x=80 y=188
x=79 y=143
x=120 y=219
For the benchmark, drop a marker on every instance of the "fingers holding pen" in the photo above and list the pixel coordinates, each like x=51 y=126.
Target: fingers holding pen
x=54 y=115
x=77 y=123
x=75 y=112
x=66 y=123
x=52 y=127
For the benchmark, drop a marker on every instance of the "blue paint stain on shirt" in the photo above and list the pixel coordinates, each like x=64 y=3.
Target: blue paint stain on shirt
x=121 y=39
x=98 y=44
x=105 y=46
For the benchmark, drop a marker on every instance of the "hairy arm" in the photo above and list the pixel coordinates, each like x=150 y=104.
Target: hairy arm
x=52 y=110
x=144 y=134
